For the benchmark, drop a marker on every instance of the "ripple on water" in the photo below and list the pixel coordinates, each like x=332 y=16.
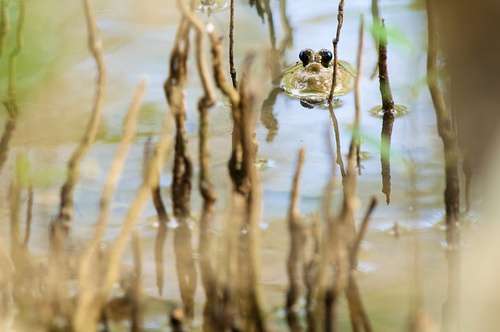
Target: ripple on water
x=399 y=110
x=210 y=6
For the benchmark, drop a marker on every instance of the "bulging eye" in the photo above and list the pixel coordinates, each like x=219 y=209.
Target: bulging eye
x=326 y=57
x=306 y=55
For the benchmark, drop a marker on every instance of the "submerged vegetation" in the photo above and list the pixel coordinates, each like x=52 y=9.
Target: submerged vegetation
x=87 y=278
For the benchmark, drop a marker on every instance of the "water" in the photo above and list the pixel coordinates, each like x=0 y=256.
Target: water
x=56 y=89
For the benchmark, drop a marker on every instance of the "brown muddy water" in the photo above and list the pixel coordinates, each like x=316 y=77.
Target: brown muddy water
x=56 y=78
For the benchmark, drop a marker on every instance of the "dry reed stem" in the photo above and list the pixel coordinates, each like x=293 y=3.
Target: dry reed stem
x=359 y=318
x=206 y=187
x=361 y=233
x=209 y=97
x=357 y=93
x=248 y=186
x=338 y=154
x=232 y=69
x=451 y=308
x=332 y=243
x=163 y=219
x=224 y=310
x=183 y=169
x=73 y=172
x=335 y=41
x=388 y=117
x=296 y=256
x=87 y=278
x=113 y=258
x=10 y=101
x=375 y=28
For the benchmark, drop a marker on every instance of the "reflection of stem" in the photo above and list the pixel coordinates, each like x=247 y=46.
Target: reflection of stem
x=340 y=20
x=87 y=280
x=388 y=118
x=183 y=167
x=287 y=40
x=339 y=160
x=451 y=308
x=267 y=117
x=270 y=23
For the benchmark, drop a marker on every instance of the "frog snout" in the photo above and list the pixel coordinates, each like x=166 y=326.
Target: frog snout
x=313 y=67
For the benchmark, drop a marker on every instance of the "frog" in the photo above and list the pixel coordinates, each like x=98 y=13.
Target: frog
x=311 y=77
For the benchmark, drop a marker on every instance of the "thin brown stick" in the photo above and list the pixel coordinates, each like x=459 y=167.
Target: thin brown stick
x=451 y=308
x=87 y=280
x=296 y=256
x=163 y=219
x=223 y=312
x=232 y=69
x=388 y=117
x=73 y=172
x=335 y=41
x=357 y=93
x=183 y=168
x=361 y=233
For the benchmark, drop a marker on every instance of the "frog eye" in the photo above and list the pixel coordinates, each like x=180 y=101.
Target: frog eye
x=326 y=57
x=306 y=55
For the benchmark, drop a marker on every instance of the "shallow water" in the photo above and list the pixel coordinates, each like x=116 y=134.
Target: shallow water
x=56 y=87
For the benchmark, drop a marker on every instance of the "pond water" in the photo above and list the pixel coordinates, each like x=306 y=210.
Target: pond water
x=56 y=87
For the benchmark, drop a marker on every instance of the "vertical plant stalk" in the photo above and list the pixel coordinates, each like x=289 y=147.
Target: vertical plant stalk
x=223 y=311
x=73 y=173
x=247 y=199
x=338 y=158
x=357 y=93
x=296 y=255
x=359 y=317
x=335 y=41
x=375 y=29
x=206 y=187
x=10 y=100
x=388 y=110
x=163 y=220
x=88 y=306
x=451 y=308
x=183 y=167
x=232 y=69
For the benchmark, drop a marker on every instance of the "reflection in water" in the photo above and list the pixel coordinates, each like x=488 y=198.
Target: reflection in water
x=388 y=118
x=182 y=169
